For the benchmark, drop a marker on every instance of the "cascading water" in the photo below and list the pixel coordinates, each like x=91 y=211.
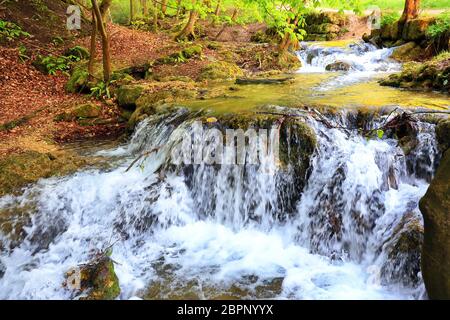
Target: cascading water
x=364 y=61
x=207 y=231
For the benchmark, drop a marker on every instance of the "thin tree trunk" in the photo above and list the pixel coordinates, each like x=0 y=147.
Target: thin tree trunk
x=233 y=19
x=164 y=7
x=105 y=38
x=144 y=8
x=286 y=42
x=131 y=11
x=155 y=15
x=93 y=47
x=188 y=30
x=217 y=11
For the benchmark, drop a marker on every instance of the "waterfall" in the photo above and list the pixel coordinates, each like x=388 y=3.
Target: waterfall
x=209 y=229
x=364 y=61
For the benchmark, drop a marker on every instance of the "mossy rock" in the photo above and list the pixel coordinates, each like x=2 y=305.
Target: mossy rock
x=316 y=37
x=78 y=81
x=181 y=56
x=316 y=18
x=323 y=28
x=98 y=280
x=288 y=61
x=416 y=29
x=127 y=95
x=78 y=51
x=407 y=52
x=435 y=207
x=443 y=135
x=338 y=66
x=390 y=31
x=83 y=111
x=19 y=170
x=220 y=70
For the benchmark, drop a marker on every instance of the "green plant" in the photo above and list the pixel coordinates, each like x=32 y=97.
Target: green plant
x=51 y=64
x=441 y=26
x=11 y=31
x=23 y=53
x=389 y=17
x=101 y=90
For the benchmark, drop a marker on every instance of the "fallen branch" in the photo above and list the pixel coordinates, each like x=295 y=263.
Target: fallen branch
x=145 y=154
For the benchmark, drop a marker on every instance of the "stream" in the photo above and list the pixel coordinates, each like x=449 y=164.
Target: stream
x=227 y=232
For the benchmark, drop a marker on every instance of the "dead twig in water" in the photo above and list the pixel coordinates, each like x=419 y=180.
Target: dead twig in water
x=145 y=154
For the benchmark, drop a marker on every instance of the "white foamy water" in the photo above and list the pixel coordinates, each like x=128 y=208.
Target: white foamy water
x=366 y=61
x=218 y=226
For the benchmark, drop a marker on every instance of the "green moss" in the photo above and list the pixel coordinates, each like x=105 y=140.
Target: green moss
x=78 y=51
x=19 y=170
x=416 y=29
x=127 y=95
x=407 y=52
x=220 y=70
x=78 y=81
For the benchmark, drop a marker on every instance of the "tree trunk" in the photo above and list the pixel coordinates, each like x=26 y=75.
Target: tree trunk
x=155 y=15
x=233 y=19
x=105 y=38
x=188 y=30
x=144 y=8
x=131 y=10
x=217 y=11
x=286 y=42
x=93 y=47
x=411 y=10
x=164 y=7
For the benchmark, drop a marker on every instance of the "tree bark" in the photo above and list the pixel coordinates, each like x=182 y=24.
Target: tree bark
x=188 y=30
x=131 y=10
x=411 y=10
x=217 y=11
x=286 y=41
x=164 y=7
x=93 y=47
x=104 y=35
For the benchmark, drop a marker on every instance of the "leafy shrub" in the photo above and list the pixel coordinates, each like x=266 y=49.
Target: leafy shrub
x=441 y=26
x=11 y=31
x=101 y=90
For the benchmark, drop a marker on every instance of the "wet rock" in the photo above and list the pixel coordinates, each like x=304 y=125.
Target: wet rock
x=338 y=66
x=98 y=280
x=407 y=52
x=443 y=135
x=2 y=269
x=220 y=70
x=127 y=95
x=402 y=250
x=435 y=207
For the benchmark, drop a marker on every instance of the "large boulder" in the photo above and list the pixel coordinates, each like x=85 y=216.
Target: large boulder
x=127 y=95
x=407 y=52
x=78 y=81
x=435 y=207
